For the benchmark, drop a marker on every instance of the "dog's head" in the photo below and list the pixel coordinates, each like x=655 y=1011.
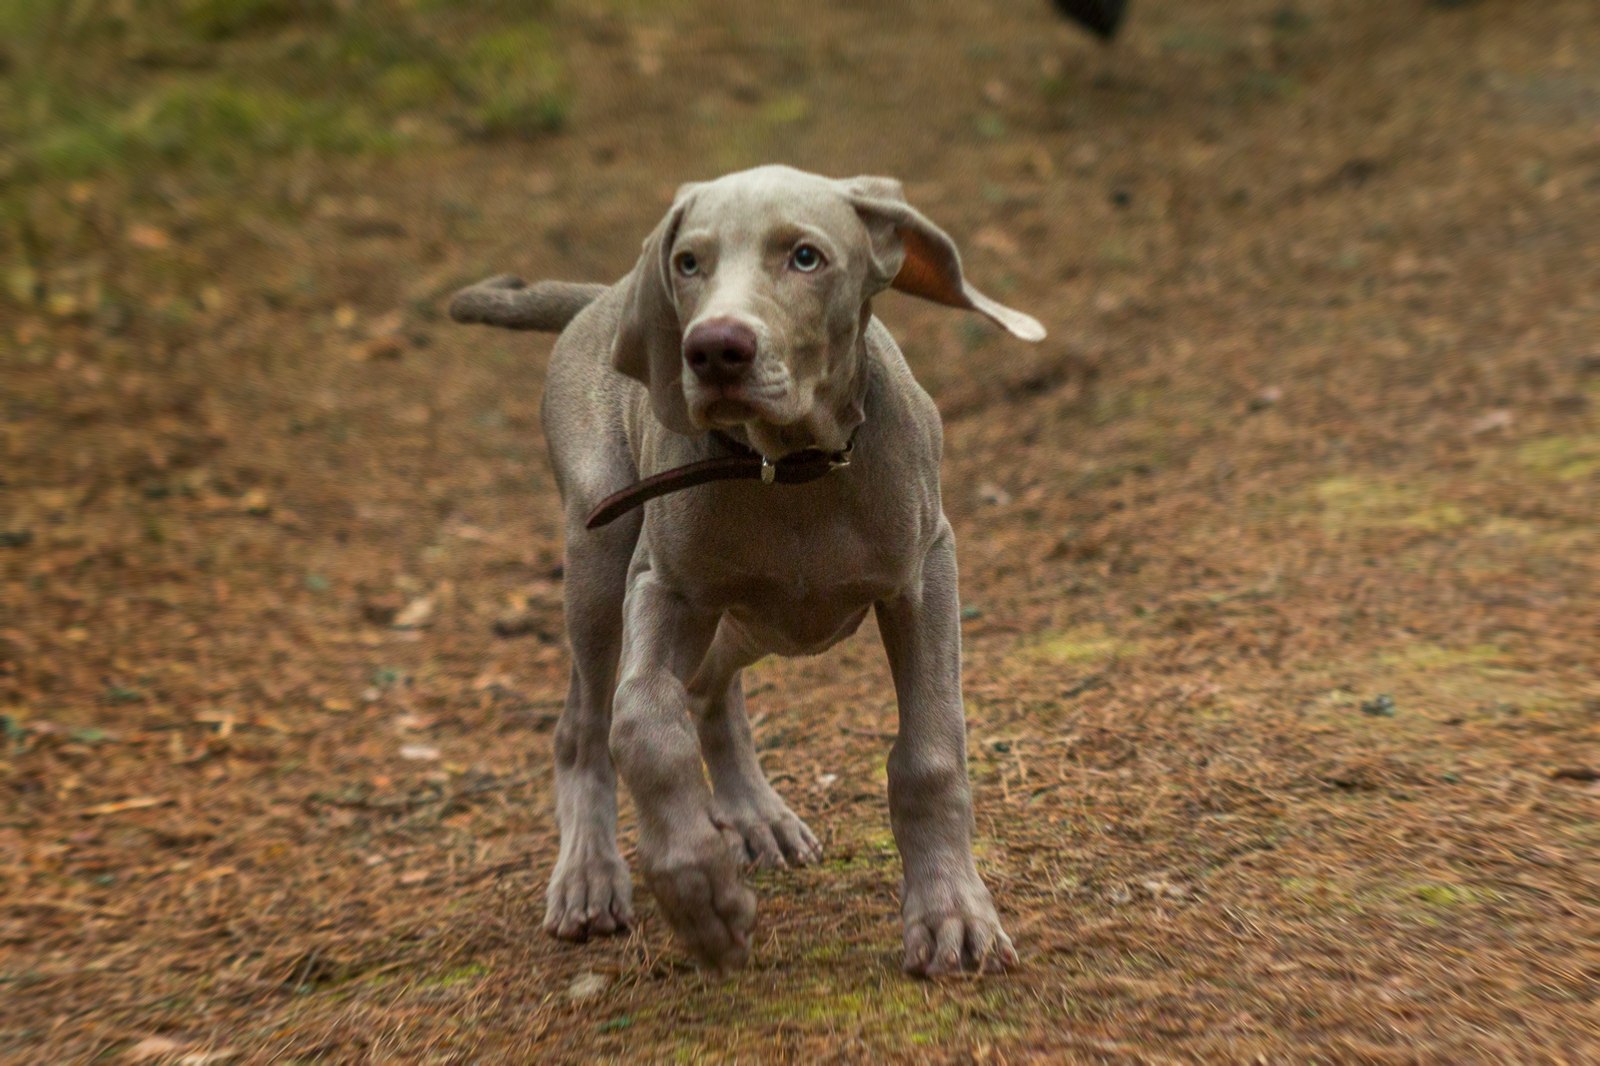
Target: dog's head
x=748 y=303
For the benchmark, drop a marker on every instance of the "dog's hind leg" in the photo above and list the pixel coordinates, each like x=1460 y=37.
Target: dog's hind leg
x=757 y=824
x=590 y=890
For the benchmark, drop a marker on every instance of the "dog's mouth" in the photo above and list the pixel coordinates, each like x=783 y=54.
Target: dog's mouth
x=728 y=411
x=718 y=407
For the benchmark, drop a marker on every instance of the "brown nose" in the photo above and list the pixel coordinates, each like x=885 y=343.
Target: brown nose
x=720 y=351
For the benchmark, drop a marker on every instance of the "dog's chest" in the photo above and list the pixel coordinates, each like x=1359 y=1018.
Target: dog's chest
x=800 y=579
x=815 y=564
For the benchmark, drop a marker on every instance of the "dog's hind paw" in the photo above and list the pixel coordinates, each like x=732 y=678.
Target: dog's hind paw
x=766 y=834
x=587 y=898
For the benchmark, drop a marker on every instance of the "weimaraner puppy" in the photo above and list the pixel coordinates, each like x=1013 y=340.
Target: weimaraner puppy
x=741 y=350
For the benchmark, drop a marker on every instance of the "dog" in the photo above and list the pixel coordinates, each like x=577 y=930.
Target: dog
x=795 y=486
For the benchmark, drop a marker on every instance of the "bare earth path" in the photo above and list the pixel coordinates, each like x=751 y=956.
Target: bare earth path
x=1280 y=558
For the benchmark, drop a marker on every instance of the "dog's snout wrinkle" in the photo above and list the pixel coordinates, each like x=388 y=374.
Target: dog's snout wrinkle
x=720 y=351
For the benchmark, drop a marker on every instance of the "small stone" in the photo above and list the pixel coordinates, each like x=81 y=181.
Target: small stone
x=587 y=986
x=993 y=494
x=518 y=623
x=1267 y=397
x=1380 y=706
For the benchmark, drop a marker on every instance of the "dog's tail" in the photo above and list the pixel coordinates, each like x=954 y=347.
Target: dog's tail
x=511 y=303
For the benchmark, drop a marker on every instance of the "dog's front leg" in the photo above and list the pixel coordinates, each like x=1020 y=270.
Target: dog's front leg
x=950 y=920
x=682 y=853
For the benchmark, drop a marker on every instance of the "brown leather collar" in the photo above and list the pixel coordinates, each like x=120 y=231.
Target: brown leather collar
x=746 y=464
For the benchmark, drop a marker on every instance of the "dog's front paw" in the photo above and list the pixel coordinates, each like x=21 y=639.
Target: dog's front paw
x=590 y=894
x=951 y=926
x=697 y=885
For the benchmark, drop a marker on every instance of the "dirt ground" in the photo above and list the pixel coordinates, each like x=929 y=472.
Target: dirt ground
x=1280 y=557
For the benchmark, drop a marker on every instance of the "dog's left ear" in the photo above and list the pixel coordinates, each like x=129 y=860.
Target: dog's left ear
x=913 y=255
x=648 y=346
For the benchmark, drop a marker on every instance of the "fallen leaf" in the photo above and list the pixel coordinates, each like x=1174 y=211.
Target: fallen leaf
x=1161 y=888
x=997 y=241
x=1500 y=418
x=225 y=721
x=210 y=1058
x=416 y=614
x=148 y=237
x=153 y=1047
x=388 y=346
x=492 y=678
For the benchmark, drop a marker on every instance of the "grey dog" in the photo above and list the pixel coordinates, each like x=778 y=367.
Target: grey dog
x=743 y=341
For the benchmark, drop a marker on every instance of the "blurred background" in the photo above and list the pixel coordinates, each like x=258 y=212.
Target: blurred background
x=1280 y=563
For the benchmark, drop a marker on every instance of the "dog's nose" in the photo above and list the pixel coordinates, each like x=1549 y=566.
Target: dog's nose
x=720 y=351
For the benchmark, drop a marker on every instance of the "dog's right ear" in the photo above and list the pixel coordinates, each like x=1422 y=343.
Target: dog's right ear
x=649 y=344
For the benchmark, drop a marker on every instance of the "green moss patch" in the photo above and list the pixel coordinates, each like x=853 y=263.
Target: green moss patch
x=1361 y=503
x=1562 y=458
x=1080 y=645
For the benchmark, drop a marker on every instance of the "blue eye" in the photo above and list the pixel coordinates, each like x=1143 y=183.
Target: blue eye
x=687 y=264
x=805 y=259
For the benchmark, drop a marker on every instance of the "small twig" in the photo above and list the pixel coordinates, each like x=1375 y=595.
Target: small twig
x=68 y=905
x=870 y=734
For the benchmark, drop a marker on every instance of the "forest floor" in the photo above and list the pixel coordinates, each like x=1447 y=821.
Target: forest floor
x=1280 y=560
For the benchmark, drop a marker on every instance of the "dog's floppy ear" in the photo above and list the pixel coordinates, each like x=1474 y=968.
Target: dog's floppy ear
x=913 y=255
x=648 y=344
